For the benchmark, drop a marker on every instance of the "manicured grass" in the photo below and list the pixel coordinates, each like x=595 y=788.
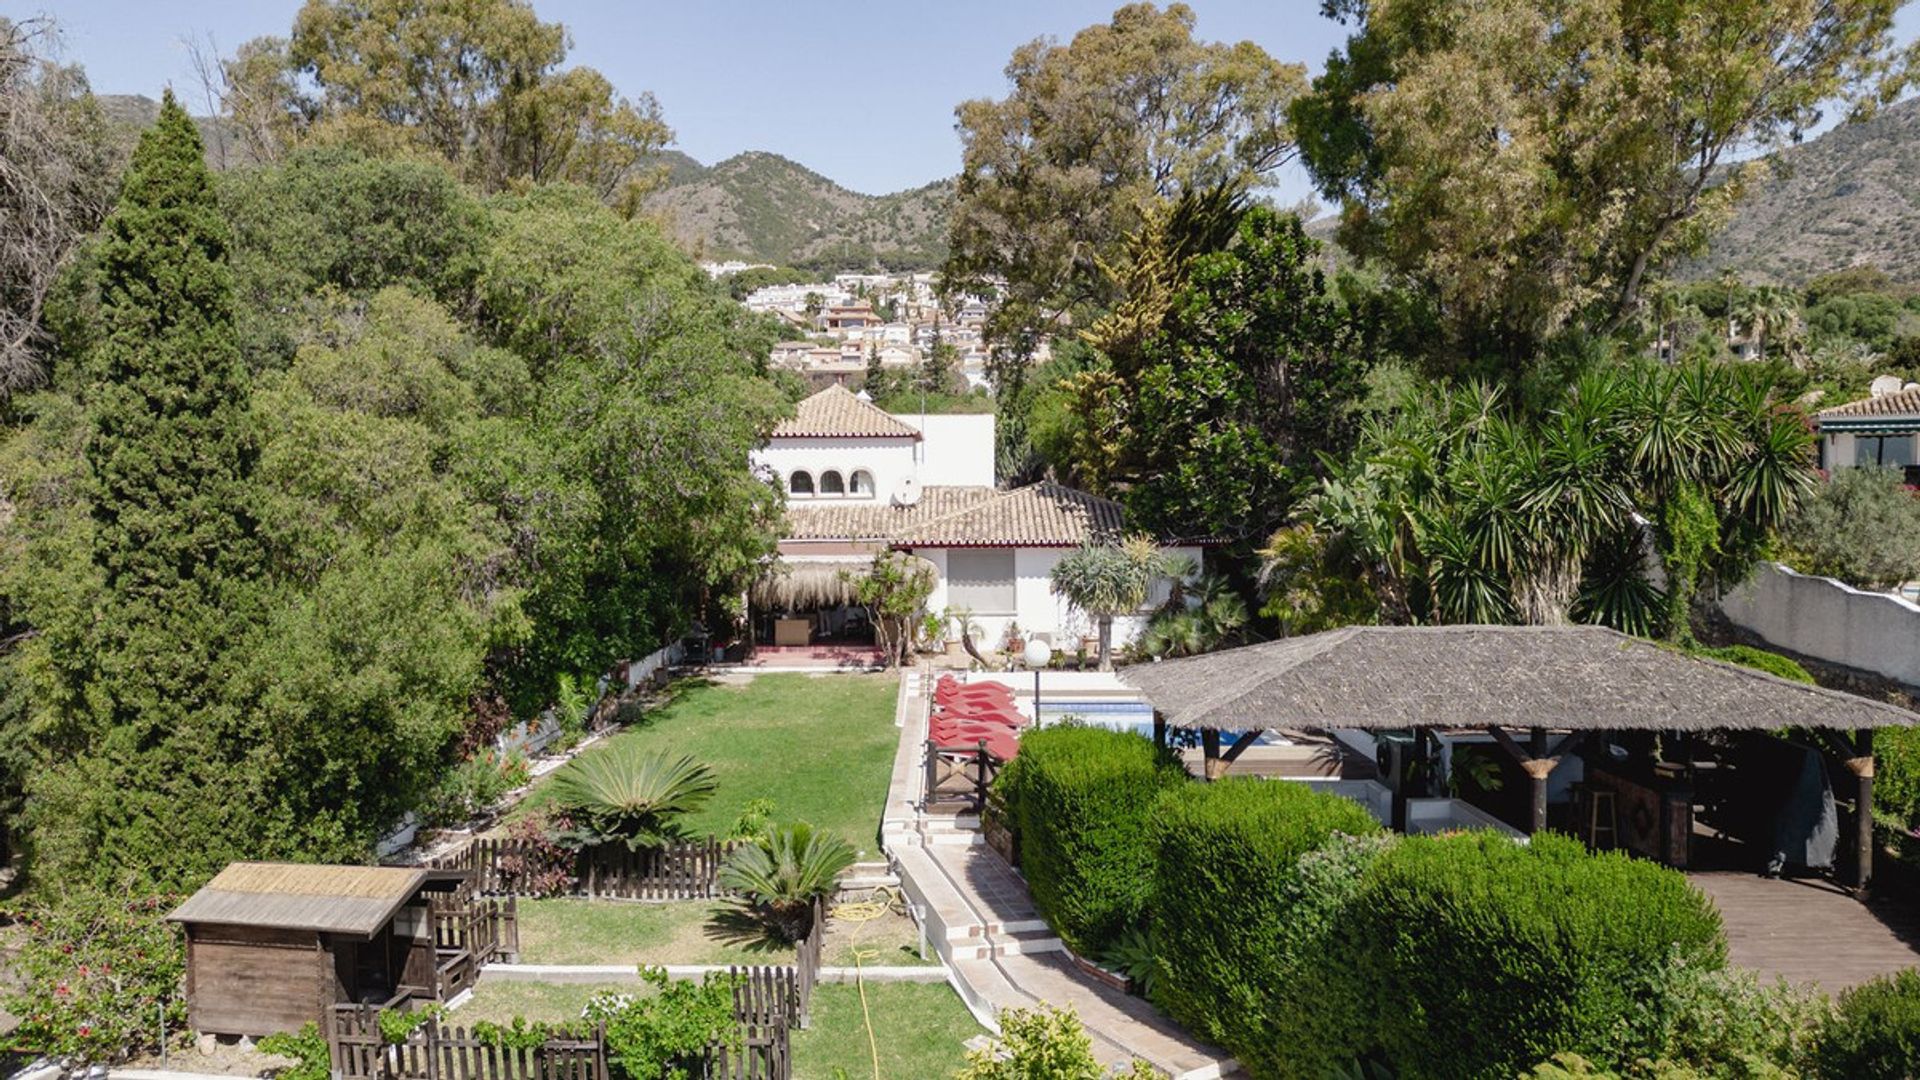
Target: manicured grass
x=500 y=1000
x=616 y=932
x=820 y=747
x=919 y=1028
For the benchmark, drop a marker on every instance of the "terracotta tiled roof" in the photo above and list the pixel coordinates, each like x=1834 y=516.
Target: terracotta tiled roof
x=875 y=519
x=837 y=413
x=1902 y=403
x=1038 y=515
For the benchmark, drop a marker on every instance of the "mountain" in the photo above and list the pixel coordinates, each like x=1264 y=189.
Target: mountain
x=1846 y=198
x=765 y=208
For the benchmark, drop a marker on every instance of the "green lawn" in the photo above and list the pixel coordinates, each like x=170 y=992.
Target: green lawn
x=500 y=1000
x=919 y=1029
x=820 y=747
x=614 y=932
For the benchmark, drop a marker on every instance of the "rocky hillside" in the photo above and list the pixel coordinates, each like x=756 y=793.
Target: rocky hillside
x=1847 y=198
x=765 y=208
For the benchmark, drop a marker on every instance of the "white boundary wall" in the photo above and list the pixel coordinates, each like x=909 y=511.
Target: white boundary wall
x=1827 y=620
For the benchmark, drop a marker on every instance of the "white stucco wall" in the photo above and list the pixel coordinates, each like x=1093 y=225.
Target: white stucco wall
x=1824 y=619
x=1036 y=608
x=955 y=450
x=889 y=460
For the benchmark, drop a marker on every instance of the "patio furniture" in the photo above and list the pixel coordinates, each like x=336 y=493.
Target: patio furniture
x=1602 y=818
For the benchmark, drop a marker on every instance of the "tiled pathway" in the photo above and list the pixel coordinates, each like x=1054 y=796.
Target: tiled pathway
x=978 y=915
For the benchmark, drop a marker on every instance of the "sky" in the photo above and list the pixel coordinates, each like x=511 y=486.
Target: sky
x=861 y=92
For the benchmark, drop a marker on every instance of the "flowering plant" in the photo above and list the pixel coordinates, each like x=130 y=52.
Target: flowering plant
x=96 y=976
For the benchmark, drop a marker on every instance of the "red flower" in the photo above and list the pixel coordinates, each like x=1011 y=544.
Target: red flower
x=85 y=1030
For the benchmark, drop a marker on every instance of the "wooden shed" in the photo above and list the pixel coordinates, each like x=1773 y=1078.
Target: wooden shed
x=271 y=946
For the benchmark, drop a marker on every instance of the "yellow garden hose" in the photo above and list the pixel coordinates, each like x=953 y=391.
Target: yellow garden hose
x=880 y=903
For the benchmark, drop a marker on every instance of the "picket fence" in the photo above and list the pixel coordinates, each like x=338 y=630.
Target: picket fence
x=508 y=867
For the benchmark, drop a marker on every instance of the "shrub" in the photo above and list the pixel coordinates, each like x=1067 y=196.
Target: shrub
x=784 y=871
x=1477 y=956
x=1875 y=1033
x=1079 y=800
x=1861 y=526
x=1227 y=882
x=474 y=786
x=91 y=976
x=1726 y=1025
x=656 y=1036
x=307 y=1046
x=1043 y=1044
x=1759 y=659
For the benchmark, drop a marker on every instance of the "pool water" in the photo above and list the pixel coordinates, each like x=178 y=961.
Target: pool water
x=1133 y=716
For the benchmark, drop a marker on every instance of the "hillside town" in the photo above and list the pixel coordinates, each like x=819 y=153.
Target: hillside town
x=1379 y=543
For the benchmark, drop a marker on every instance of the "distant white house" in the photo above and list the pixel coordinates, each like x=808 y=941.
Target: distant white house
x=860 y=480
x=1878 y=430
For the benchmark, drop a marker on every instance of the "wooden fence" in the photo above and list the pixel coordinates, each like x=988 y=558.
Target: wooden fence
x=470 y=932
x=434 y=1051
x=506 y=867
x=960 y=775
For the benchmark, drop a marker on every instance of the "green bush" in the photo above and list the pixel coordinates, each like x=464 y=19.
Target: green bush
x=1475 y=956
x=1861 y=526
x=1044 y=1044
x=1239 y=914
x=1079 y=800
x=1875 y=1034
x=307 y=1047
x=91 y=976
x=656 y=1035
x=1758 y=659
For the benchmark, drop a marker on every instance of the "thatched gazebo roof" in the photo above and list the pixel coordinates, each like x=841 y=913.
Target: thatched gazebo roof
x=1576 y=678
x=797 y=585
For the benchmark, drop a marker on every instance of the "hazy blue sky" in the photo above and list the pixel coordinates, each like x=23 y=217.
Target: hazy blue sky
x=861 y=92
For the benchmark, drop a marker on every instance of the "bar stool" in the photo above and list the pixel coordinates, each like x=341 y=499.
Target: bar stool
x=1602 y=818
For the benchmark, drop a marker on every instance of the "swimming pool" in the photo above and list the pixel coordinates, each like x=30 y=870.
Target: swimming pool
x=1120 y=715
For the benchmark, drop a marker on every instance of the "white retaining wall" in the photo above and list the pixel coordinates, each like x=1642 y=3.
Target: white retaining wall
x=1831 y=621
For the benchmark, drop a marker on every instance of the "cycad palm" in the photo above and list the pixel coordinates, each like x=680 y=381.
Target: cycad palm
x=628 y=795
x=783 y=871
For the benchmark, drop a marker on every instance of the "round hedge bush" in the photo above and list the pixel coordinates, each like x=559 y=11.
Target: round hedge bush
x=1237 y=927
x=1482 y=957
x=1079 y=800
x=1875 y=1032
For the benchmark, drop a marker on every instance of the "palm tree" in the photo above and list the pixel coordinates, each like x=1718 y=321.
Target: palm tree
x=784 y=871
x=630 y=796
x=1105 y=580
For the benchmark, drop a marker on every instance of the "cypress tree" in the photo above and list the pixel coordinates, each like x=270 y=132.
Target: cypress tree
x=160 y=793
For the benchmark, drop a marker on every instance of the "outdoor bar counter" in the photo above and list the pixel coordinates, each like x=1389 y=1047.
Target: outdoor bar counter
x=1653 y=807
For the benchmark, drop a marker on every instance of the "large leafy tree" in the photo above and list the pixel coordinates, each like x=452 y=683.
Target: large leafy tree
x=1533 y=162
x=57 y=167
x=1231 y=366
x=1055 y=175
x=478 y=83
x=143 y=736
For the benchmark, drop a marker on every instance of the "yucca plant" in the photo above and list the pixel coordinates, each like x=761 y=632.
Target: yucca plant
x=783 y=871
x=628 y=795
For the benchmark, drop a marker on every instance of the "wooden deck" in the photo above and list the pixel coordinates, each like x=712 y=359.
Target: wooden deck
x=1810 y=931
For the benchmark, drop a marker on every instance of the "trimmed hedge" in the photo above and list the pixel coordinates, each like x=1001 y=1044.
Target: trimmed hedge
x=1079 y=800
x=1238 y=923
x=1474 y=956
x=1875 y=1034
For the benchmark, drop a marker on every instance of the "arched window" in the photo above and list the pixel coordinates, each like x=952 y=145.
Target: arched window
x=831 y=484
x=800 y=483
x=862 y=483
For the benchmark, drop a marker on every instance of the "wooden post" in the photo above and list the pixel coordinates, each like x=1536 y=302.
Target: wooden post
x=1159 y=729
x=1861 y=766
x=980 y=778
x=1211 y=766
x=933 y=772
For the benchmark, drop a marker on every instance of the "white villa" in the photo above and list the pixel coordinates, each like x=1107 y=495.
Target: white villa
x=859 y=480
x=1876 y=431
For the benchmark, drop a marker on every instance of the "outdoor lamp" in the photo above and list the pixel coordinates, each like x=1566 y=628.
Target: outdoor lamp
x=1038 y=654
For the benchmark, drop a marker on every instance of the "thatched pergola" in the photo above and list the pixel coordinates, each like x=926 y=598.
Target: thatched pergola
x=1528 y=679
x=797 y=585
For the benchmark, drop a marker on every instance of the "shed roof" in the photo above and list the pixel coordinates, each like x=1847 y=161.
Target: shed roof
x=1038 y=515
x=1570 y=677
x=299 y=896
x=839 y=413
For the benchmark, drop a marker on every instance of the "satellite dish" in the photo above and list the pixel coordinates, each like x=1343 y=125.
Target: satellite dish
x=906 y=492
